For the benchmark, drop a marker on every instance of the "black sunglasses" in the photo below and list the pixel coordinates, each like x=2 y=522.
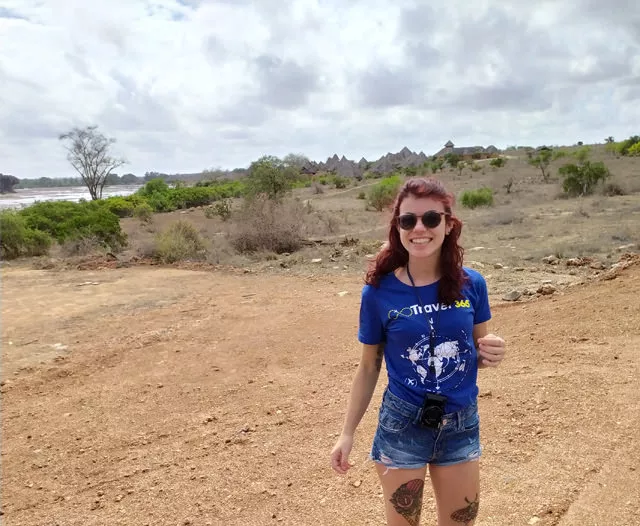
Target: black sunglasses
x=430 y=219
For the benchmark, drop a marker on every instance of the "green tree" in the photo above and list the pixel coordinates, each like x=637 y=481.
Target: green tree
x=270 y=176
x=542 y=159
x=452 y=159
x=583 y=177
x=88 y=153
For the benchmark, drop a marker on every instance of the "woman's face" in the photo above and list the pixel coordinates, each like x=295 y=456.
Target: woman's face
x=422 y=241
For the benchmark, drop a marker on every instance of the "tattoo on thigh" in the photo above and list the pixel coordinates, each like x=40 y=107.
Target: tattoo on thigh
x=407 y=500
x=468 y=513
x=379 y=356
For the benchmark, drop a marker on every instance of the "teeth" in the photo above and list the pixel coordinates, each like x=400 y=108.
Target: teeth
x=420 y=241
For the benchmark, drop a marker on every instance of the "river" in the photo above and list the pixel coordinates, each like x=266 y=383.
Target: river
x=28 y=196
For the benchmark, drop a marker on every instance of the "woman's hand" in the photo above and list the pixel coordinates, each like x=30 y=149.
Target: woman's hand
x=340 y=454
x=492 y=349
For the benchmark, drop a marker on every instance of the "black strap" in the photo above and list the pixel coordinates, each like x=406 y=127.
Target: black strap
x=432 y=329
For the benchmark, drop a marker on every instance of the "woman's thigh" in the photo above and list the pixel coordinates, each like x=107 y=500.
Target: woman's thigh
x=403 y=490
x=457 y=492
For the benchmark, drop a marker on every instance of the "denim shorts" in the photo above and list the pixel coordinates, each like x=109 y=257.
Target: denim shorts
x=400 y=441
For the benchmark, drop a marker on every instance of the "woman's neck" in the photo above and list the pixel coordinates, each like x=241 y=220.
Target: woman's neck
x=423 y=271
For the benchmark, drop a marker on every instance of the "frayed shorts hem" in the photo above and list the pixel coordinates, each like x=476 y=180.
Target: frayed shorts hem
x=395 y=465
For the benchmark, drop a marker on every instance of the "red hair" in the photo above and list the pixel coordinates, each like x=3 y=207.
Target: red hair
x=394 y=255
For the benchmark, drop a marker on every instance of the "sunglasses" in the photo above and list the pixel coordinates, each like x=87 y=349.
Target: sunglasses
x=430 y=219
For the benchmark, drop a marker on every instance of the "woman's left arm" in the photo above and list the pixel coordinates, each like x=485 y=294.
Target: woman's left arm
x=491 y=348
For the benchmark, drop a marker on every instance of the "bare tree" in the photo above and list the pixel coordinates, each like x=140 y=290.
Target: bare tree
x=88 y=153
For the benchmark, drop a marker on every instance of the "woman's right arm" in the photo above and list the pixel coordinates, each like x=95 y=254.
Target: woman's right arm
x=362 y=388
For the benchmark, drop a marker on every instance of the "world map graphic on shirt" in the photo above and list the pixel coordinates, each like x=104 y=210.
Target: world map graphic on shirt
x=448 y=361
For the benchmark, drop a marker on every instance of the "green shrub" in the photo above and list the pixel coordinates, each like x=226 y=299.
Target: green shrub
x=634 y=150
x=162 y=198
x=362 y=195
x=17 y=239
x=37 y=243
x=480 y=197
x=625 y=147
x=155 y=186
x=179 y=242
x=582 y=179
x=340 y=182
x=382 y=194
x=66 y=220
x=498 y=162
x=120 y=206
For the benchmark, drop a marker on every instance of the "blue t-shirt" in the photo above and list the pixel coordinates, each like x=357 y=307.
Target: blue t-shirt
x=391 y=313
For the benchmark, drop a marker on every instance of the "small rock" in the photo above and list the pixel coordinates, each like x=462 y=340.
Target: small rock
x=316 y=260
x=357 y=483
x=343 y=293
x=514 y=295
x=534 y=520
x=576 y=262
x=475 y=249
x=546 y=289
x=550 y=260
x=597 y=265
x=498 y=265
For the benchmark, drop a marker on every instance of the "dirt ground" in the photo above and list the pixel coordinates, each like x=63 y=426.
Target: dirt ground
x=153 y=395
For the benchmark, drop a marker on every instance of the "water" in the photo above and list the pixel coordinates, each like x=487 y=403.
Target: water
x=28 y=196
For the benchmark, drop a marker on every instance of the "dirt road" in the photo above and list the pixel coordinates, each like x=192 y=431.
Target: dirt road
x=171 y=397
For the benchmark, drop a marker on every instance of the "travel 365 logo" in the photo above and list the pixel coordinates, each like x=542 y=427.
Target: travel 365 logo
x=414 y=310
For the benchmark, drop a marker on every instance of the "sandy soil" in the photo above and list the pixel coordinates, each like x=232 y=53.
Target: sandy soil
x=166 y=396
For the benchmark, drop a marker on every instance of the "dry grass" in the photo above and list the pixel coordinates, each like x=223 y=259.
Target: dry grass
x=527 y=223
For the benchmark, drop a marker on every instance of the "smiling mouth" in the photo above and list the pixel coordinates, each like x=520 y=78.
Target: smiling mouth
x=421 y=241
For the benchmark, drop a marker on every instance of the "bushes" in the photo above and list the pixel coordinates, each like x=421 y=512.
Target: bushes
x=383 y=193
x=480 y=197
x=65 y=220
x=267 y=225
x=634 y=150
x=17 y=239
x=157 y=196
x=629 y=146
x=498 y=162
x=179 y=242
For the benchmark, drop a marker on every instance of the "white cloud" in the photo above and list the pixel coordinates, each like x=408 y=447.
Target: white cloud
x=188 y=84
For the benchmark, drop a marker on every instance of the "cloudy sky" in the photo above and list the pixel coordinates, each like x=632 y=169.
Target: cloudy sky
x=184 y=85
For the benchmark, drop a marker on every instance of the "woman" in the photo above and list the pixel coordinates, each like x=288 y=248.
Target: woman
x=427 y=316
